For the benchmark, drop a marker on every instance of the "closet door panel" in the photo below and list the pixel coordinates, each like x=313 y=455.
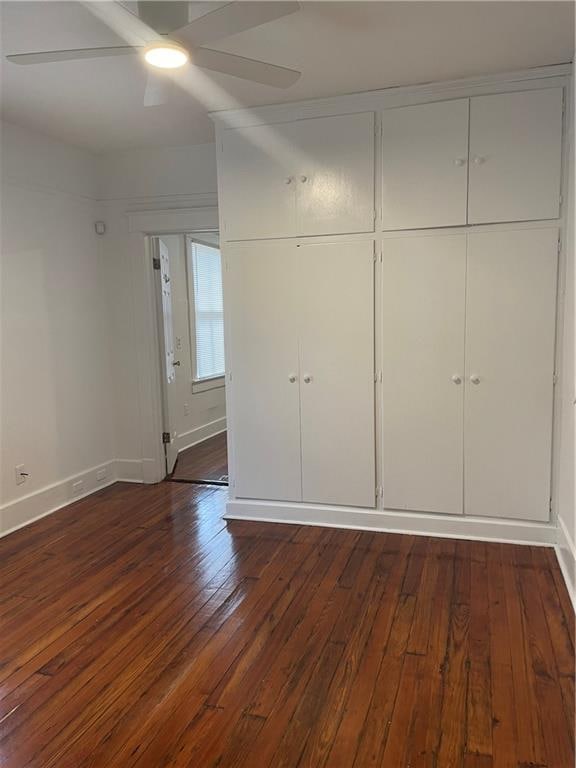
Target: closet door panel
x=261 y=296
x=257 y=185
x=510 y=323
x=337 y=373
x=515 y=156
x=424 y=165
x=335 y=174
x=423 y=362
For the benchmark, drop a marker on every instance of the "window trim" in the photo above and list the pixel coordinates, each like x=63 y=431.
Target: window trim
x=208 y=382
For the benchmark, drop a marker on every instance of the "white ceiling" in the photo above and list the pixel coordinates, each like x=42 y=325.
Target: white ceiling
x=340 y=47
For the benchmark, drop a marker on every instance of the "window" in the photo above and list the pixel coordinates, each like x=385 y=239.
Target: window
x=206 y=310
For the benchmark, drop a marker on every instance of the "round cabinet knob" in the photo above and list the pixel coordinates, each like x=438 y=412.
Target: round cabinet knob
x=460 y=161
x=292 y=378
x=288 y=180
x=457 y=379
x=307 y=379
x=475 y=379
x=479 y=160
x=303 y=179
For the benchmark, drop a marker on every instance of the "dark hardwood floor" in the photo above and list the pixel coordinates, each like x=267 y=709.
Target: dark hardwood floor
x=205 y=462
x=140 y=629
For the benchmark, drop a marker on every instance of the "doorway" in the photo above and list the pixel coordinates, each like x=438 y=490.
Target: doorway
x=189 y=300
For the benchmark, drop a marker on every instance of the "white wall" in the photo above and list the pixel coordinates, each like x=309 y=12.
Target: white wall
x=565 y=461
x=152 y=174
x=56 y=415
x=200 y=414
x=168 y=178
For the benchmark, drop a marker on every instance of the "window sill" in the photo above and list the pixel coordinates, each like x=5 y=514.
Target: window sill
x=204 y=385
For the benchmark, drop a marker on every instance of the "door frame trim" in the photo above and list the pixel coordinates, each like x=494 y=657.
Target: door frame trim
x=141 y=226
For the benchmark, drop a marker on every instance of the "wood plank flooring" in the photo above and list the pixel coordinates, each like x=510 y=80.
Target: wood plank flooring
x=140 y=630
x=205 y=462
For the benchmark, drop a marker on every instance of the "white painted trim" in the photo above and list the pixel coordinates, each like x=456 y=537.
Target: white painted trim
x=566 y=554
x=200 y=434
x=129 y=470
x=538 y=77
x=174 y=221
x=387 y=521
x=25 y=510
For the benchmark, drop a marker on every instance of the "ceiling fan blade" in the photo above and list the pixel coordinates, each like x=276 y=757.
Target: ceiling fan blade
x=163 y=15
x=46 y=57
x=232 y=18
x=155 y=93
x=247 y=69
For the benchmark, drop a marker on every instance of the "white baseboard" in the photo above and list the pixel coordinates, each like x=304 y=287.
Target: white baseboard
x=129 y=470
x=25 y=510
x=566 y=554
x=444 y=526
x=199 y=434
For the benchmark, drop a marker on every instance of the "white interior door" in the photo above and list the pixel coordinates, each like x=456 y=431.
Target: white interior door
x=335 y=174
x=337 y=372
x=424 y=165
x=510 y=321
x=423 y=370
x=258 y=185
x=515 y=156
x=261 y=298
x=166 y=335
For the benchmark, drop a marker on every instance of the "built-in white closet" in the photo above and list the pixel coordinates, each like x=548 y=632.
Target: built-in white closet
x=301 y=353
x=391 y=281
x=468 y=370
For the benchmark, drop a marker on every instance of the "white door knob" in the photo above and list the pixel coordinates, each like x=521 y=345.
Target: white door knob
x=475 y=379
x=479 y=160
x=307 y=378
x=288 y=180
x=460 y=161
x=303 y=179
x=457 y=379
x=292 y=378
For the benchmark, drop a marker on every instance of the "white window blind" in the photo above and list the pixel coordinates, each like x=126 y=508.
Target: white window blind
x=208 y=331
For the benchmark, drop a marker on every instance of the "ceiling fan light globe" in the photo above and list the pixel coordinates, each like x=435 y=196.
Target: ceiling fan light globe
x=166 y=55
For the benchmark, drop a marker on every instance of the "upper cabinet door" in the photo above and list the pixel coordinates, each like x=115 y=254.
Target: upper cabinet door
x=424 y=165
x=335 y=174
x=337 y=373
x=257 y=183
x=510 y=322
x=262 y=357
x=515 y=156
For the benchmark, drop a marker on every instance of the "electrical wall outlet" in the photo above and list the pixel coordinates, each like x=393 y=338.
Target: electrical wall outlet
x=21 y=474
x=101 y=474
x=77 y=487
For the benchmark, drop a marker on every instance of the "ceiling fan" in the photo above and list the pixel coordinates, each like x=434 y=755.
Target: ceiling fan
x=171 y=34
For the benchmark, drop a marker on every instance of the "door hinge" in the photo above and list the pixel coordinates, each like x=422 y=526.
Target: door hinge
x=166 y=438
x=554 y=378
x=156 y=262
x=379 y=492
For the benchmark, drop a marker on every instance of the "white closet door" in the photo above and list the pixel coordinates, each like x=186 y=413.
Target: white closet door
x=423 y=362
x=510 y=321
x=515 y=156
x=261 y=295
x=424 y=165
x=337 y=373
x=335 y=174
x=257 y=186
